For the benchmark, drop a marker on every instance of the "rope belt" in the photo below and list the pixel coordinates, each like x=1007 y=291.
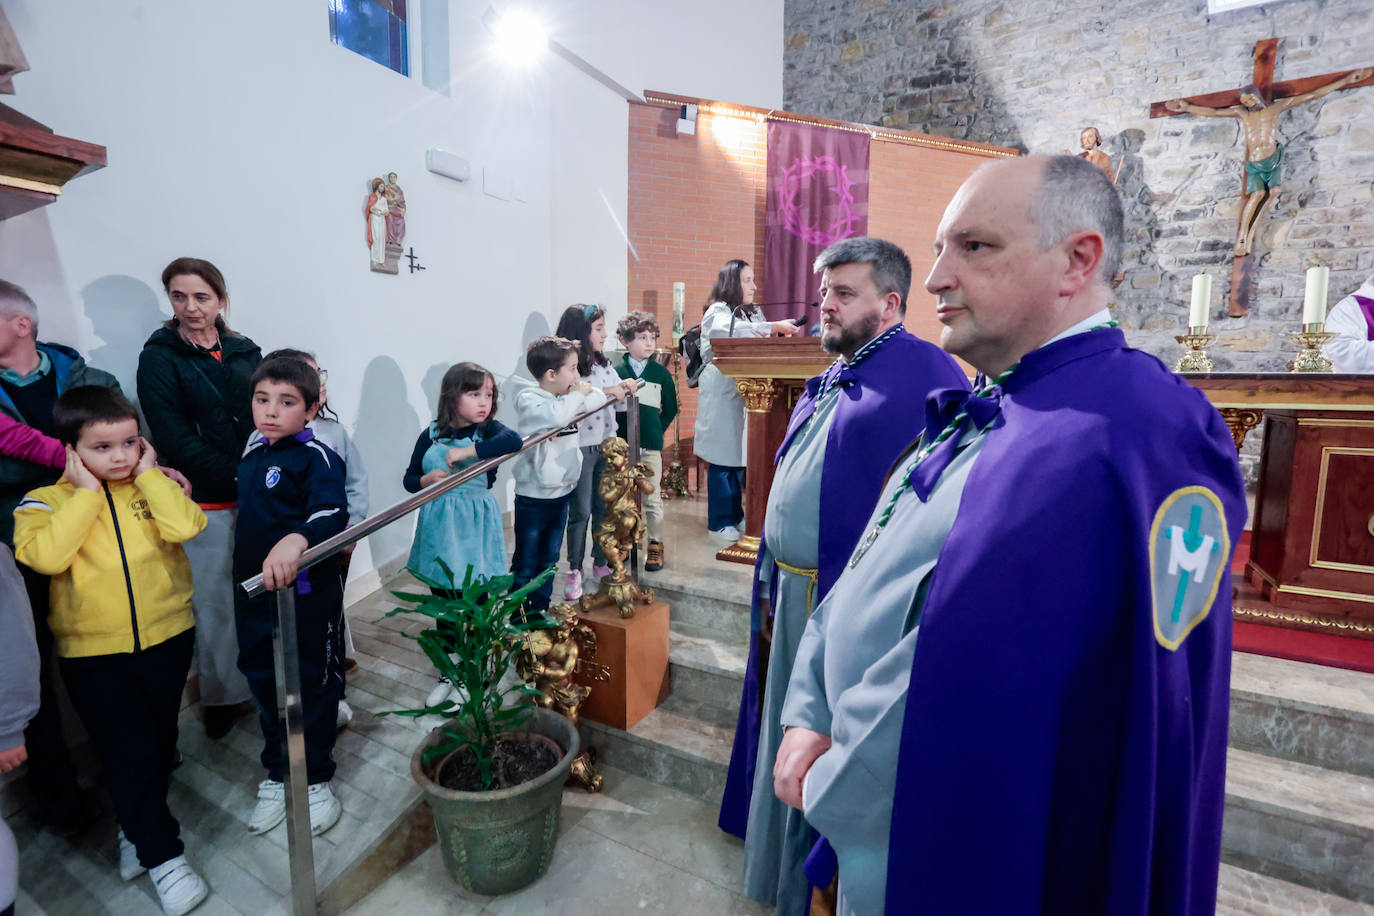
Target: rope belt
x=813 y=574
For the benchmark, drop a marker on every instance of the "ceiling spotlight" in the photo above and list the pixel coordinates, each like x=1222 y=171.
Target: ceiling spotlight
x=519 y=36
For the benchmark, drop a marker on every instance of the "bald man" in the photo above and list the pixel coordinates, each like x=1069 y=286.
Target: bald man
x=1021 y=706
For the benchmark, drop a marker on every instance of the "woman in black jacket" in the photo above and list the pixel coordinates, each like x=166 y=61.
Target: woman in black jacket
x=193 y=387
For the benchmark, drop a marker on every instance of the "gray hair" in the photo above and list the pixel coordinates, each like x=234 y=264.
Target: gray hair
x=1075 y=195
x=888 y=264
x=14 y=302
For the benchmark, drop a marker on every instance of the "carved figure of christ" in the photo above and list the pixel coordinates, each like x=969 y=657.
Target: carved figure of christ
x=1258 y=107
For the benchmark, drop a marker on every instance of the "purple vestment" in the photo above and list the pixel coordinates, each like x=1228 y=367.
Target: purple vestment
x=1367 y=307
x=880 y=412
x=1064 y=744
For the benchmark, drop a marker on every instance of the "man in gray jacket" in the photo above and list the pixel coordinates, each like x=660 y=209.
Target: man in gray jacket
x=18 y=701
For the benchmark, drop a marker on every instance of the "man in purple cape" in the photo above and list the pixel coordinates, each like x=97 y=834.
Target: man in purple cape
x=1033 y=662
x=843 y=436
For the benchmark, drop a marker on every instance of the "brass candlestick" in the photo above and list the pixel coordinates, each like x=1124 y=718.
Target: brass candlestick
x=1197 y=340
x=1310 y=341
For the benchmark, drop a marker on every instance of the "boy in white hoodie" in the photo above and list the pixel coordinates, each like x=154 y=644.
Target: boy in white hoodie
x=546 y=475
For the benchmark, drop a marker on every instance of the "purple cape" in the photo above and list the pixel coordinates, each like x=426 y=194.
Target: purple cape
x=878 y=415
x=1048 y=728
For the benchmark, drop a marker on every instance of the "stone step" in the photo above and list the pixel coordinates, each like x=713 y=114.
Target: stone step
x=1248 y=893
x=1301 y=823
x=1305 y=713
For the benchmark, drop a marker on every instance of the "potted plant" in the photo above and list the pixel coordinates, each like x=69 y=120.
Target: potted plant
x=493 y=772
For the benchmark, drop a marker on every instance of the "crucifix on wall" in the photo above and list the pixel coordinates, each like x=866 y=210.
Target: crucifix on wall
x=1258 y=107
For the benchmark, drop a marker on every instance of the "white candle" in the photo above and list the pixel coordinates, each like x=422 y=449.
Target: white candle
x=1314 y=302
x=1202 y=299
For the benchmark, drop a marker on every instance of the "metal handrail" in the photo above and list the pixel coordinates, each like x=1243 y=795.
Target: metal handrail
x=286 y=661
x=353 y=533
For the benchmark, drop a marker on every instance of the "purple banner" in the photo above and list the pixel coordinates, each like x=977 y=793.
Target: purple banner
x=817 y=195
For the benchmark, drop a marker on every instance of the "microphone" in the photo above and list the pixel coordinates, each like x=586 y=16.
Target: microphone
x=801 y=322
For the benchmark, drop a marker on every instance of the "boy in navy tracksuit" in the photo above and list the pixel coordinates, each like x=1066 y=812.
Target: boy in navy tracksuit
x=290 y=497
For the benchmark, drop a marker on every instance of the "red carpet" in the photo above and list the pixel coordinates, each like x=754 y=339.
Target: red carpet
x=1298 y=645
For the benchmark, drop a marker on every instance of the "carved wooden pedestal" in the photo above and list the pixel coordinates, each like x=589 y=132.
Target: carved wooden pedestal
x=629 y=673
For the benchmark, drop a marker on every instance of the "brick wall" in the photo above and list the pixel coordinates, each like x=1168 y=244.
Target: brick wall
x=695 y=202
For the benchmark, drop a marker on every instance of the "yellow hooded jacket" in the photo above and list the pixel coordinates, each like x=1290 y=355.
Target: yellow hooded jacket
x=120 y=580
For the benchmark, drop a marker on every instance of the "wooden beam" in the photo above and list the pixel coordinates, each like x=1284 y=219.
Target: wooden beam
x=1266 y=52
x=47 y=143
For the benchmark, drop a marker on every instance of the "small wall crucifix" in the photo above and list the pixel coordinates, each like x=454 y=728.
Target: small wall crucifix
x=1258 y=107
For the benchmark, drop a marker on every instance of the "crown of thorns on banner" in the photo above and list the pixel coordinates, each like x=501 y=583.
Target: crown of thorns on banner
x=793 y=177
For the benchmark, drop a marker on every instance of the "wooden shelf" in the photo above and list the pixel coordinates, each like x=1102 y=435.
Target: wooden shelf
x=35 y=163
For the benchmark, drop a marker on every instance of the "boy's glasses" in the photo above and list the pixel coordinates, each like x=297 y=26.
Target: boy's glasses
x=324 y=376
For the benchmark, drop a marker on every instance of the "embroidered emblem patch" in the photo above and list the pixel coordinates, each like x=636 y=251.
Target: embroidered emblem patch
x=273 y=476
x=1189 y=550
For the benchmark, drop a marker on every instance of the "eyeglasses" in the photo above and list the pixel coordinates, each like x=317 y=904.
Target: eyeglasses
x=324 y=376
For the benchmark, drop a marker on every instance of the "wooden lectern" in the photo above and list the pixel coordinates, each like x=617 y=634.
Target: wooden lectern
x=1311 y=563
x=771 y=374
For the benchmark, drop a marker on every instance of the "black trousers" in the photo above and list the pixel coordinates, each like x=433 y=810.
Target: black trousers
x=52 y=776
x=319 y=635
x=129 y=704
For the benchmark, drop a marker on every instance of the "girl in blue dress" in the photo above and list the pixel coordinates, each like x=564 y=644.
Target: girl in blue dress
x=463 y=527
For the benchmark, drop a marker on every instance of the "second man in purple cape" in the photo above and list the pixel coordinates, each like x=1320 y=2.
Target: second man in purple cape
x=845 y=432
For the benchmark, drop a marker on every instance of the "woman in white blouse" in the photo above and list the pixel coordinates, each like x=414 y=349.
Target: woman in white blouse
x=719 y=434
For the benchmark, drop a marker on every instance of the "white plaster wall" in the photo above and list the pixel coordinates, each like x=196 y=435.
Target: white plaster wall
x=251 y=146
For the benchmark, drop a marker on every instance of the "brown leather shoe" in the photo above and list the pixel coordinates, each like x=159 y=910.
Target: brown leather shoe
x=654 y=561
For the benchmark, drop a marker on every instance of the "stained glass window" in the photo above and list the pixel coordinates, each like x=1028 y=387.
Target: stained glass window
x=376 y=29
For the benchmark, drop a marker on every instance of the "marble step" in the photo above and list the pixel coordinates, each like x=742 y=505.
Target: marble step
x=1304 y=713
x=1293 y=710
x=711 y=606
x=1301 y=823
x=706 y=671
x=1248 y=893
x=682 y=744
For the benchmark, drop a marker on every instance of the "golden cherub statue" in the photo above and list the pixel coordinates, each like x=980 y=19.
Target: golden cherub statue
x=548 y=664
x=622 y=526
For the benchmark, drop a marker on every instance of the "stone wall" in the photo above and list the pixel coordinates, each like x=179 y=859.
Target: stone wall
x=1031 y=74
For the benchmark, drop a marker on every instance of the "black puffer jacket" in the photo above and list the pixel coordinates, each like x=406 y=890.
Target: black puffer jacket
x=198 y=409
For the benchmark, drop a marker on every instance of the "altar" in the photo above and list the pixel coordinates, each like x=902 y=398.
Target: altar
x=1310 y=568
x=1311 y=562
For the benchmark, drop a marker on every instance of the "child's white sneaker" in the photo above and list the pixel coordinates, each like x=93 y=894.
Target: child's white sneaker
x=179 y=888
x=324 y=808
x=344 y=716
x=129 y=866
x=271 y=807
x=572 y=589
x=440 y=693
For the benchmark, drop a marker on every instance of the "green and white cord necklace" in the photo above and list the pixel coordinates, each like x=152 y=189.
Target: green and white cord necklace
x=923 y=452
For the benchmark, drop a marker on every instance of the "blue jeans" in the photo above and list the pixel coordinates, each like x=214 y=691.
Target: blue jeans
x=724 y=496
x=585 y=510
x=538 y=537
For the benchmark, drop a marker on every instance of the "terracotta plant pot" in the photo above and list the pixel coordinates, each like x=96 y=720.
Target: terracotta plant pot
x=500 y=841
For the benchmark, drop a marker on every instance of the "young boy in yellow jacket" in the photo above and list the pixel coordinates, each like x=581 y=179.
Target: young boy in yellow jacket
x=109 y=534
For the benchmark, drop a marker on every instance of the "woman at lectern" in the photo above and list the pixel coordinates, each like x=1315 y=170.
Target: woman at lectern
x=719 y=435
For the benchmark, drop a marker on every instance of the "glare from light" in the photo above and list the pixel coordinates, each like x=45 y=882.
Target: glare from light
x=519 y=37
